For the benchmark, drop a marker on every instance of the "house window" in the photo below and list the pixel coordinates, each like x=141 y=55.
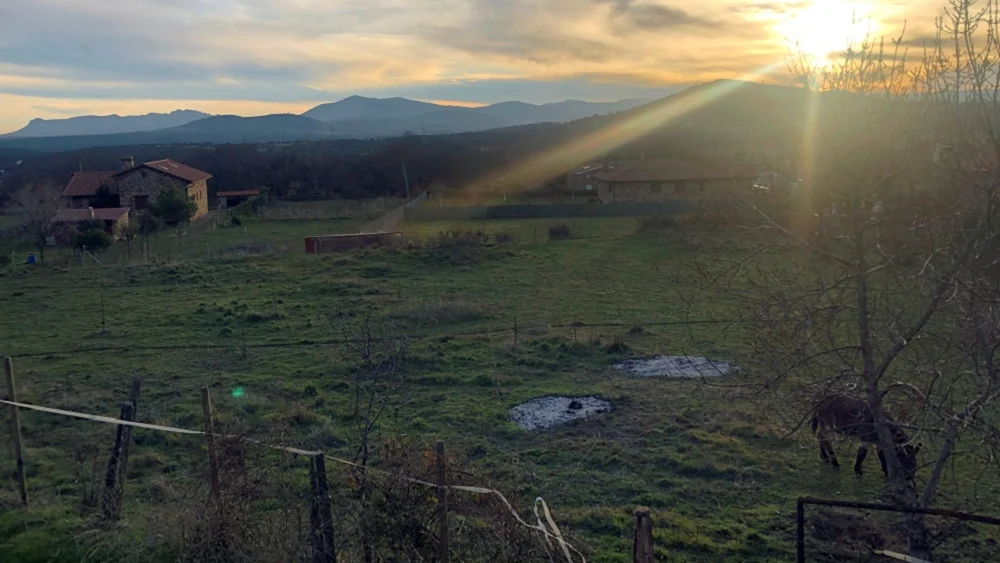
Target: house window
x=590 y=187
x=679 y=188
x=140 y=202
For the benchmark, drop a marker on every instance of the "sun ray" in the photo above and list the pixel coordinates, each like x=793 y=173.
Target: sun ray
x=558 y=159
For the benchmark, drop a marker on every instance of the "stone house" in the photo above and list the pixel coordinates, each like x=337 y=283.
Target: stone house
x=663 y=180
x=139 y=185
x=582 y=182
x=136 y=187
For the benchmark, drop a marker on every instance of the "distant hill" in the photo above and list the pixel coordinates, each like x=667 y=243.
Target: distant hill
x=266 y=128
x=374 y=117
x=520 y=113
x=358 y=107
x=106 y=124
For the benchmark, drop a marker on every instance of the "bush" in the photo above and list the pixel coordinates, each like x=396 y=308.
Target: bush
x=559 y=232
x=236 y=221
x=658 y=223
x=93 y=240
x=461 y=237
x=504 y=237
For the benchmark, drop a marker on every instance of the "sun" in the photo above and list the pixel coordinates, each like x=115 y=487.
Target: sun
x=823 y=27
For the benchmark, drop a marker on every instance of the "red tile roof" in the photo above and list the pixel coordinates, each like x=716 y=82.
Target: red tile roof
x=669 y=170
x=175 y=169
x=85 y=184
x=95 y=214
x=237 y=193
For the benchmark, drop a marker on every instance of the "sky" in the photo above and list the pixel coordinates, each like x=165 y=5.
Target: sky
x=61 y=58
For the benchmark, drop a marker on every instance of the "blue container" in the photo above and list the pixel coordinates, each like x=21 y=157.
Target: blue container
x=31 y=258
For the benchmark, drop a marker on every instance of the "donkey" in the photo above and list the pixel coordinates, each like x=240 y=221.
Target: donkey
x=850 y=416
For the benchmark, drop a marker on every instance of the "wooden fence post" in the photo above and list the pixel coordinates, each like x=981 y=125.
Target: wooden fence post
x=213 y=459
x=442 y=508
x=800 y=531
x=642 y=546
x=15 y=430
x=320 y=513
x=114 y=480
x=133 y=397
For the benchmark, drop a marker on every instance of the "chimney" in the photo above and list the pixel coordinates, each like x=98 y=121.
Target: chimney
x=91 y=210
x=128 y=163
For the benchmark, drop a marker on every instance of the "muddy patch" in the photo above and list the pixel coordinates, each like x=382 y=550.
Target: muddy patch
x=682 y=367
x=546 y=412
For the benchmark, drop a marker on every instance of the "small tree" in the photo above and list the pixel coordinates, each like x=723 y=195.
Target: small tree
x=377 y=349
x=38 y=204
x=104 y=197
x=173 y=207
x=92 y=240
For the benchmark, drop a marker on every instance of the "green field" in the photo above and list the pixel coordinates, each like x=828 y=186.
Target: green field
x=720 y=476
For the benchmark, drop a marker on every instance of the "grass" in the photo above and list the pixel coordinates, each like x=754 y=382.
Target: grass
x=720 y=478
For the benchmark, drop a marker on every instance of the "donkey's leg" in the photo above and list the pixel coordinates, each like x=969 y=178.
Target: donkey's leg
x=826 y=450
x=824 y=455
x=862 y=454
x=881 y=459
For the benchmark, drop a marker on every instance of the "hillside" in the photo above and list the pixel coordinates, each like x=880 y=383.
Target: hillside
x=104 y=125
x=359 y=108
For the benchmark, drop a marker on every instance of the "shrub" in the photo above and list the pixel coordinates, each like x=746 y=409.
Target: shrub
x=504 y=237
x=617 y=345
x=447 y=312
x=93 y=240
x=236 y=221
x=559 y=232
x=461 y=236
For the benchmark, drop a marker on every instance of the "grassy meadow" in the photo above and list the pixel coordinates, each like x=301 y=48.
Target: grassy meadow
x=262 y=328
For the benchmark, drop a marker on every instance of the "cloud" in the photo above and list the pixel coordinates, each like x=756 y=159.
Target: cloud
x=283 y=52
x=648 y=16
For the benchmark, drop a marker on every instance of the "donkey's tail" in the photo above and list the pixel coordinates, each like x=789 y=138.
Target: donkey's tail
x=814 y=423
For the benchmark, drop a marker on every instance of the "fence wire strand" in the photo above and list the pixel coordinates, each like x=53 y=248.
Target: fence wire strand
x=547 y=526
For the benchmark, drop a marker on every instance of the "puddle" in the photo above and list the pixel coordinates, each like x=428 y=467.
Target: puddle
x=546 y=412
x=683 y=367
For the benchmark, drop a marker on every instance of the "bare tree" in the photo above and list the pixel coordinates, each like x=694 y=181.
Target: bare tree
x=378 y=348
x=879 y=275
x=38 y=203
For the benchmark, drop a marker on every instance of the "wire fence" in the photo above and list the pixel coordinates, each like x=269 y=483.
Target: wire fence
x=392 y=219
x=321 y=521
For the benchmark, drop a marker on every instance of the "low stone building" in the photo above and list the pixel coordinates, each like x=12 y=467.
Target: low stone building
x=68 y=222
x=663 y=180
x=136 y=187
x=232 y=198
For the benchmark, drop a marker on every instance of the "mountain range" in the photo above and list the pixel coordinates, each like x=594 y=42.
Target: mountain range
x=105 y=124
x=353 y=117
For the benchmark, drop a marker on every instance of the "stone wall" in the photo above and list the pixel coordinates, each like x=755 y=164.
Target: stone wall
x=198 y=191
x=139 y=187
x=662 y=191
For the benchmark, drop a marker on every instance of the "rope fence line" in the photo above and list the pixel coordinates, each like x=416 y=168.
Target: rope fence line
x=547 y=526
